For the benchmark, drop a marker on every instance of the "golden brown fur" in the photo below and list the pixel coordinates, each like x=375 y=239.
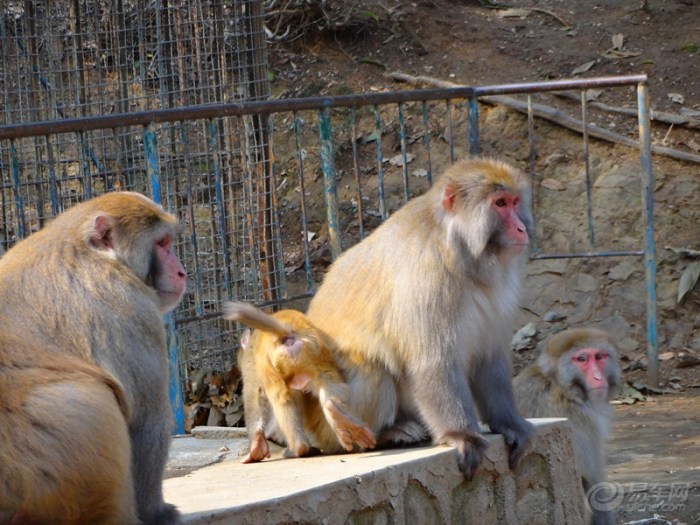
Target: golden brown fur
x=421 y=310
x=84 y=411
x=46 y=403
x=287 y=363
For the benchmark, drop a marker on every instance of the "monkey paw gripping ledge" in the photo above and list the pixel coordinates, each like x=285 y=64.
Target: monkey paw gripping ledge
x=401 y=486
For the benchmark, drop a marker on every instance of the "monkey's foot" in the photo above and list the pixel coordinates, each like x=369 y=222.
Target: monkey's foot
x=519 y=437
x=259 y=449
x=404 y=433
x=470 y=448
x=348 y=429
x=167 y=514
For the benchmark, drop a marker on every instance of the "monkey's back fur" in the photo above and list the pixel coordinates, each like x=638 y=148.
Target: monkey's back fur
x=83 y=368
x=422 y=284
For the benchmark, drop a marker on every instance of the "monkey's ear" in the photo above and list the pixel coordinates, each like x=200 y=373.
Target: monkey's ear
x=100 y=234
x=449 y=196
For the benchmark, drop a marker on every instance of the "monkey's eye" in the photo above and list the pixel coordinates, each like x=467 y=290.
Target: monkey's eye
x=289 y=340
x=581 y=358
x=163 y=243
x=601 y=356
x=516 y=201
x=500 y=202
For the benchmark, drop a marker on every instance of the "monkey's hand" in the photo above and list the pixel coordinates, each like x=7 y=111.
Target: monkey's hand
x=347 y=428
x=519 y=436
x=470 y=450
x=259 y=449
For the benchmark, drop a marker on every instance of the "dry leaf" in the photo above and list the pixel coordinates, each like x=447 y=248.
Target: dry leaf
x=676 y=97
x=522 y=339
x=511 y=13
x=593 y=94
x=689 y=278
x=686 y=360
x=552 y=184
x=666 y=356
x=583 y=67
x=617 y=53
x=692 y=113
x=628 y=396
x=397 y=160
x=618 y=41
x=693 y=145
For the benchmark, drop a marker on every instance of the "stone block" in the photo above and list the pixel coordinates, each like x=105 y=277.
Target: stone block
x=391 y=487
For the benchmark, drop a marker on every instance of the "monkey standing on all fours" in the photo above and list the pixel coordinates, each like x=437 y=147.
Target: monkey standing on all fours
x=85 y=417
x=288 y=367
x=575 y=377
x=420 y=312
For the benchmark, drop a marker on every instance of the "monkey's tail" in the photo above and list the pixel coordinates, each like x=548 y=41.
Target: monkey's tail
x=253 y=317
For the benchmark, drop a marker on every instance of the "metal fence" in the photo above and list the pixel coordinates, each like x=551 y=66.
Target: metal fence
x=62 y=60
x=172 y=102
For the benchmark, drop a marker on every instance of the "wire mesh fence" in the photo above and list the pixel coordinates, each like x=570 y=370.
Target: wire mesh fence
x=68 y=59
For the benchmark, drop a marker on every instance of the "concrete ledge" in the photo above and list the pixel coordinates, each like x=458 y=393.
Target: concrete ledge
x=401 y=486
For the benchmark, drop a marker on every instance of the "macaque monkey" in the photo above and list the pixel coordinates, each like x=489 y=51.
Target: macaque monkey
x=420 y=312
x=575 y=377
x=85 y=418
x=288 y=368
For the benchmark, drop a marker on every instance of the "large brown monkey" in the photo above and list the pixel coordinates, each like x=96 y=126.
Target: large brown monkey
x=421 y=309
x=85 y=419
x=575 y=377
x=288 y=367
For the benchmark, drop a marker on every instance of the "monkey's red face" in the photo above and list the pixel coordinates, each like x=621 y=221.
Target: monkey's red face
x=169 y=275
x=507 y=207
x=592 y=363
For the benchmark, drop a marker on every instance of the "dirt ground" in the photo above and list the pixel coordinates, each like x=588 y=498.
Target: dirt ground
x=352 y=45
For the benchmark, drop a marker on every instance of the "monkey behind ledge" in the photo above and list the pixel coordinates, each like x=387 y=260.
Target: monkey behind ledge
x=288 y=367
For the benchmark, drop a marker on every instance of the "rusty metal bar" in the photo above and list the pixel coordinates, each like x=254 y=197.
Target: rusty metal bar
x=450 y=140
x=649 y=246
x=356 y=169
x=14 y=170
x=330 y=191
x=177 y=404
x=404 y=166
x=426 y=141
x=197 y=277
x=587 y=169
x=531 y=166
x=220 y=207
x=576 y=255
x=150 y=145
x=205 y=111
x=302 y=205
x=473 y=139
x=380 y=169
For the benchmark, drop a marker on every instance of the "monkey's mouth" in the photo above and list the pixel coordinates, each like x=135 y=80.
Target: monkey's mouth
x=169 y=299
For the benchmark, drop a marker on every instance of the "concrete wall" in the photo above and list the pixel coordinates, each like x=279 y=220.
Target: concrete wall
x=408 y=486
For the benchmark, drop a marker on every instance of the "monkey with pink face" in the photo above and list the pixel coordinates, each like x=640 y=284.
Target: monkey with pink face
x=576 y=376
x=85 y=417
x=420 y=312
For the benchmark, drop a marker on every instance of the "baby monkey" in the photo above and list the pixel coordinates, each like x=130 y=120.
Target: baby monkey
x=289 y=369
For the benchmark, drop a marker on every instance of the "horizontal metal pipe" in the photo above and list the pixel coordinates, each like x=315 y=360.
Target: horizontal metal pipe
x=585 y=254
x=208 y=111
